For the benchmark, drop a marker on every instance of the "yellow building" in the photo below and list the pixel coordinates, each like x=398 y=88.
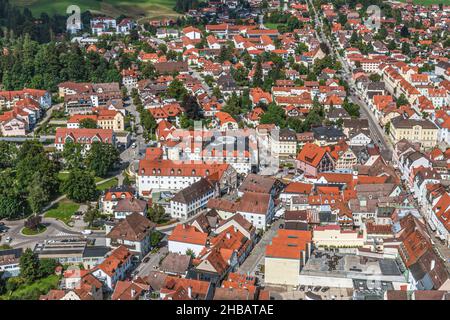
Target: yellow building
x=283 y=143
x=110 y=119
x=423 y=131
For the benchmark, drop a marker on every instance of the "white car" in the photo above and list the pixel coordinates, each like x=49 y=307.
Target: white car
x=86 y=232
x=8 y=239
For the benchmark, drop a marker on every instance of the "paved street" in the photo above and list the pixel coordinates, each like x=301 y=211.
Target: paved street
x=256 y=257
x=55 y=229
x=152 y=264
x=197 y=75
x=48 y=114
x=377 y=133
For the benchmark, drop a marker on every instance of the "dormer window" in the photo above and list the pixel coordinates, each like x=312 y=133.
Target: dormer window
x=193 y=172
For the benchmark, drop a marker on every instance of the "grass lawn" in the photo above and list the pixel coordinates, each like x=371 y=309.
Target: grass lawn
x=34 y=290
x=30 y=232
x=63 y=210
x=108 y=184
x=271 y=25
x=64 y=175
x=133 y=8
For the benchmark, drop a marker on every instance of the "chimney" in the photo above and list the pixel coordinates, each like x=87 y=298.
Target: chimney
x=433 y=263
x=189 y=292
x=228 y=235
x=133 y=293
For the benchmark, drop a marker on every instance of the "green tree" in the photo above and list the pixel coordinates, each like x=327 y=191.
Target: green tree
x=88 y=123
x=12 y=204
x=155 y=238
x=274 y=114
x=47 y=267
x=190 y=252
x=101 y=158
x=374 y=77
x=351 y=108
x=148 y=121
x=8 y=154
x=401 y=101
x=232 y=105
x=73 y=155
x=185 y=122
x=80 y=186
x=156 y=213
x=387 y=128
x=91 y=215
x=258 y=76
x=177 y=90
x=404 y=32
x=37 y=195
x=29 y=266
x=406 y=50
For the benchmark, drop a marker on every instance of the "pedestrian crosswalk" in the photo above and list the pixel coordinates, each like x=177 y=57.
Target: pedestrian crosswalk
x=62 y=234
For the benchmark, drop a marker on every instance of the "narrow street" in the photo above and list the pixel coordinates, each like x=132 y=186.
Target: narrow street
x=152 y=264
x=256 y=257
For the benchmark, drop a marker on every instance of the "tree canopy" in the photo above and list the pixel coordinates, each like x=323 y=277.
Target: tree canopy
x=80 y=186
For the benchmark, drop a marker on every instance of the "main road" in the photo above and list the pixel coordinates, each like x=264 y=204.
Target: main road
x=377 y=133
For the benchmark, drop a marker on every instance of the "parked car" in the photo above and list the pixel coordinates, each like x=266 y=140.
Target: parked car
x=146 y=259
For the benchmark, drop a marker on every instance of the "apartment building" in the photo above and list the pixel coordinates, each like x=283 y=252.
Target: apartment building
x=423 y=131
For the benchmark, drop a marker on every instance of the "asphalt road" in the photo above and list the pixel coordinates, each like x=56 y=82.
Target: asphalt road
x=55 y=229
x=377 y=134
x=152 y=264
x=256 y=256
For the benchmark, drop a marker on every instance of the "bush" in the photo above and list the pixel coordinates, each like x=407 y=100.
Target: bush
x=13 y=283
x=33 y=290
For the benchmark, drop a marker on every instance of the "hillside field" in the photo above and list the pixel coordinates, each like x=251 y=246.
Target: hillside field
x=429 y=2
x=134 y=8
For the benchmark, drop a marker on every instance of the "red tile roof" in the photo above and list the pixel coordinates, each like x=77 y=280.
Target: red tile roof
x=188 y=234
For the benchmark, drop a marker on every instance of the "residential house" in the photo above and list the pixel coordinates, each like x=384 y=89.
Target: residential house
x=134 y=233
